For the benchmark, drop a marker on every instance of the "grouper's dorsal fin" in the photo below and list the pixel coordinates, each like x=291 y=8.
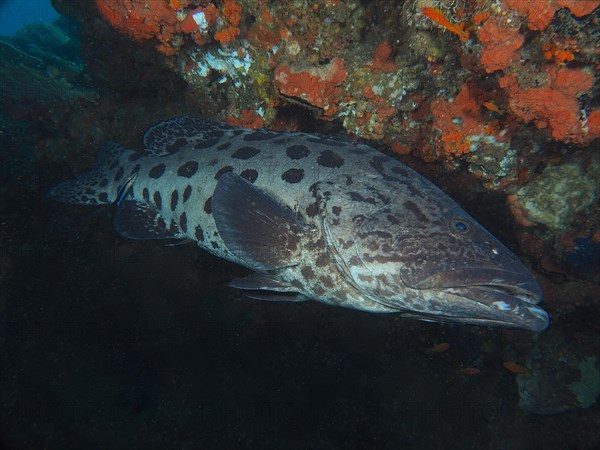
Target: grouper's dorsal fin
x=134 y=221
x=183 y=132
x=254 y=226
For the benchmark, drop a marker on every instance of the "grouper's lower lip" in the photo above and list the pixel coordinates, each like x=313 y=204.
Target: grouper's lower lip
x=501 y=307
x=539 y=322
x=489 y=296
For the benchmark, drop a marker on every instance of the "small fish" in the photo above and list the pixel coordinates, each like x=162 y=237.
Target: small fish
x=491 y=106
x=315 y=218
x=515 y=368
x=470 y=371
x=439 y=348
x=125 y=188
x=437 y=16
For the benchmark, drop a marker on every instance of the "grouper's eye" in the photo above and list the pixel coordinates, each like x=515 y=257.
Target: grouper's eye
x=459 y=225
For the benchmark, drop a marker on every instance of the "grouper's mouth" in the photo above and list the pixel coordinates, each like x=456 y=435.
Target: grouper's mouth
x=489 y=297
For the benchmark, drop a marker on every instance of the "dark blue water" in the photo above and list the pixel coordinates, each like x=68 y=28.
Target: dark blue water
x=14 y=14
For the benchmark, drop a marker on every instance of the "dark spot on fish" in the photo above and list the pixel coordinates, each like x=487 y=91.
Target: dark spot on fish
x=382 y=198
x=335 y=221
x=346 y=244
x=245 y=153
x=329 y=158
x=183 y=222
x=186 y=193
x=214 y=244
x=416 y=211
x=356 y=197
x=135 y=156
x=119 y=174
x=322 y=260
x=173 y=227
x=326 y=280
x=249 y=174
x=336 y=210
x=222 y=171
x=157 y=200
x=343 y=295
x=393 y=219
x=355 y=261
x=260 y=135
x=386 y=248
x=214 y=133
x=224 y=146
x=160 y=222
x=146 y=195
x=297 y=151
x=312 y=210
x=213 y=162
x=188 y=170
x=379 y=164
x=292 y=245
x=199 y=233
x=293 y=175
x=307 y=272
x=103 y=182
x=349 y=180
x=103 y=197
x=319 y=290
x=174 y=199
x=381 y=277
x=383 y=259
x=206 y=143
x=157 y=171
x=373 y=246
x=315 y=245
x=208 y=206
x=365 y=278
x=238 y=132
x=176 y=146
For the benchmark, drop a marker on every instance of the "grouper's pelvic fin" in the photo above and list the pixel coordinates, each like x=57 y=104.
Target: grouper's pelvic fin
x=100 y=185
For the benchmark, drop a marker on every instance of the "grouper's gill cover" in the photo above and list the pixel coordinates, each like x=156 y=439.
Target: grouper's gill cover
x=316 y=218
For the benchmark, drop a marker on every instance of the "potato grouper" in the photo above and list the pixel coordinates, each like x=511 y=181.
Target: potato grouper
x=315 y=218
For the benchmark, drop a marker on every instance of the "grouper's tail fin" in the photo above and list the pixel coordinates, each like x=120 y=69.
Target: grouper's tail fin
x=101 y=184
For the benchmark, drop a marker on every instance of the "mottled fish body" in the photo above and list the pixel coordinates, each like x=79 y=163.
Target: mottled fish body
x=316 y=218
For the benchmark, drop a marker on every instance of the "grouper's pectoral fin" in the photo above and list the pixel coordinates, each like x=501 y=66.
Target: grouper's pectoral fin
x=134 y=221
x=255 y=227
